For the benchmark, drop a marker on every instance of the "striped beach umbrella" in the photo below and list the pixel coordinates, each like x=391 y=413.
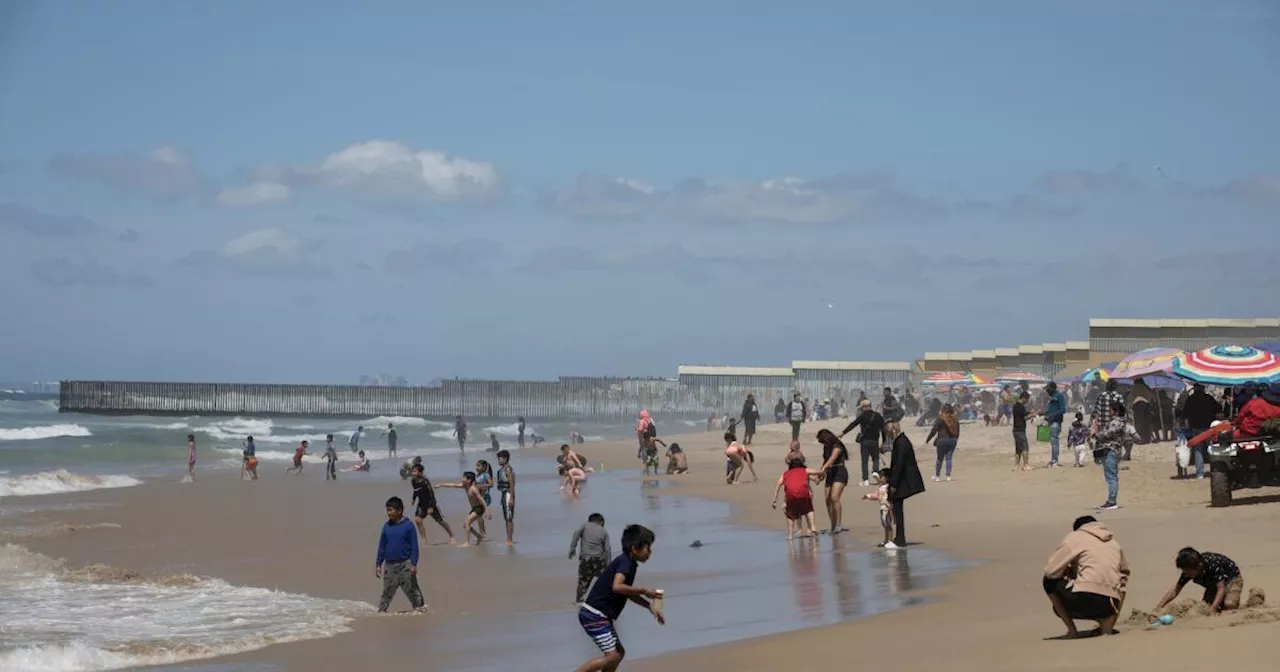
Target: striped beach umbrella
x=1228 y=365
x=1149 y=362
x=1021 y=376
x=1102 y=372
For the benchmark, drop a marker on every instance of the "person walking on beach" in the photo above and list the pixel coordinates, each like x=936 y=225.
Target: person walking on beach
x=506 y=484
x=650 y=455
x=397 y=564
x=299 y=453
x=614 y=587
x=460 y=432
x=905 y=480
x=890 y=408
x=947 y=429
x=476 y=500
x=392 y=440
x=1110 y=439
x=1055 y=412
x=1004 y=409
x=590 y=544
x=779 y=411
x=645 y=430
x=835 y=476
x=868 y=439
x=1087 y=577
x=249 y=465
x=191 y=457
x=750 y=416
x=797 y=413
x=425 y=504
x=353 y=443
x=330 y=459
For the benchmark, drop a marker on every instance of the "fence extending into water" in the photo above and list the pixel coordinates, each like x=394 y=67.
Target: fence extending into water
x=567 y=397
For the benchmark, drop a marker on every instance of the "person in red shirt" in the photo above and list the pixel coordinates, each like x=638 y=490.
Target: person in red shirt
x=799 y=498
x=298 y=454
x=1260 y=409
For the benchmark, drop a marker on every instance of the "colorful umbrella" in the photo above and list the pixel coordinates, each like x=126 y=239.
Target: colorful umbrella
x=950 y=378
x=1147 y=362
x=1158 y=382
x=1102 y=373
x=1228 y=365
x=1020 y=376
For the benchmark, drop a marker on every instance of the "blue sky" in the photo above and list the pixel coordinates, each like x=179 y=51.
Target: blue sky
x=310 y=191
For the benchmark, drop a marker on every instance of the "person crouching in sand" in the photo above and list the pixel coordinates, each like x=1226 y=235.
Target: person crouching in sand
x=737 y=457
x=361 y=465
x=1086 y=577
x=1217 y=573
x=574 y=479
x=614 y=587
x=794 y=482
x=677 y=463
x=476 y=499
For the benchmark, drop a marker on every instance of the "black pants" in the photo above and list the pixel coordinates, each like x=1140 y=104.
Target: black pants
x=899 y=523
x=748 y=430
x=870 y=454
x=795 y=430
x=1142 y=422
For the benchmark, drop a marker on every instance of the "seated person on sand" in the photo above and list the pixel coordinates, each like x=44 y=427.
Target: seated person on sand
x=1086 y=577
x=1257 y=411
x=1219 y=576
x=676 y=461
x=362 y=465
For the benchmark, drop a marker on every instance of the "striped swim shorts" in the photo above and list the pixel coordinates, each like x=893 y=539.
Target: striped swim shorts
x=599 y=629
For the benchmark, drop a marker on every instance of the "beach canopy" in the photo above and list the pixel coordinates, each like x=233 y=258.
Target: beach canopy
x=1228 y=365
x=1021 y=376
x=1147 y=362
x=952 y=378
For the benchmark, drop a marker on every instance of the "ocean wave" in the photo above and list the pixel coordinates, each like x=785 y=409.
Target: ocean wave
x=382 y=420
x=129 y=619
x=172 y=426
x=512 y=429
x=53 y=482
x=238 y=428
x=42 y=432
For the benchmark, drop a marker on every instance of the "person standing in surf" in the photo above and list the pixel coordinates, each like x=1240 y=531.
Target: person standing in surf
x=191 y=457
x=353 y=443
x=505 y=481
x=330 y=459
x=460 y=432
x=250 y=464
x=520 y=427
x=392 y=440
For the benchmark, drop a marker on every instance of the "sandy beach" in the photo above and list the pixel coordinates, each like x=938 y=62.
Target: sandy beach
x=499 y=608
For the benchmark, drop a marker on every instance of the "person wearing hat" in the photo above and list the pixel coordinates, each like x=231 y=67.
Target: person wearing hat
x=1199 y=411
x=872 y=424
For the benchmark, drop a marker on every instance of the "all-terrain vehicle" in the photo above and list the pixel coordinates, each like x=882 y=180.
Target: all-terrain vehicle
x=1241 y=463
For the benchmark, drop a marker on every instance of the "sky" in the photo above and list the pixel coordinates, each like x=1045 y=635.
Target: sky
x=307 y=192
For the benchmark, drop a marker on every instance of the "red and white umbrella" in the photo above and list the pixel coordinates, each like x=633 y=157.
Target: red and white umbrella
x=1228 y=365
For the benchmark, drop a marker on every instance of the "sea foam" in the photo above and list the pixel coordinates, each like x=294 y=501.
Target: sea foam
x=54 y=482
x=42 y=432
x=104 y=618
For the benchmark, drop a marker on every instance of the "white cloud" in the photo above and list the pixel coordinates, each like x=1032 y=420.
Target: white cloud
x=165 y=174
x=1086 y=182
x=271 y=251
x=388 y=171
x=1262 y=187
x=865 y=198
x=255 y=193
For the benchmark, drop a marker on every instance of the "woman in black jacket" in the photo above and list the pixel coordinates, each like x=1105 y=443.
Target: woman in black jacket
x=905 y=480
x=872 y=424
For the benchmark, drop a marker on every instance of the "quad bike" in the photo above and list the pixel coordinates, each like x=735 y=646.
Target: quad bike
x=1241 y=463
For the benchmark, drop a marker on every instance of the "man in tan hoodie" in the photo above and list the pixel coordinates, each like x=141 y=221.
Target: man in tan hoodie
x=1086 y=577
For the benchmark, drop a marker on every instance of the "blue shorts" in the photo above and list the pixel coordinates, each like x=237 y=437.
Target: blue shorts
x=600 y=630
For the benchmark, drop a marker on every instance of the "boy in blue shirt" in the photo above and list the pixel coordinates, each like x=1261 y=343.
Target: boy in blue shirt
x=613 y=588
x=398 y=557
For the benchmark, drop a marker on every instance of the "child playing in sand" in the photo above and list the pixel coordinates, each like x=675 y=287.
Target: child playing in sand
x=1078 y=439
x=361 y=465
x=737 y=457
x=506 y=483
x=424 y=499
x=676 y=460
x=574 y=478
x=591 y=544
x=1219 y=576
x=298 y=464
x=651 y=444
x=397 y=564
x=613 y=588
x=799 y=498
x=476 y=500
x=886 y=510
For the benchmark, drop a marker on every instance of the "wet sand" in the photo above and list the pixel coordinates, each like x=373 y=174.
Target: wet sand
x=506 y=609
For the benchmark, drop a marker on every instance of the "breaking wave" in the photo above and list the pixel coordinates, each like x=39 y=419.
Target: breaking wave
x=42 y=432
x=53 y=482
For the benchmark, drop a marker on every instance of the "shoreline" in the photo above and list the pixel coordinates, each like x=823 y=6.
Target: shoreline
x=990 y=615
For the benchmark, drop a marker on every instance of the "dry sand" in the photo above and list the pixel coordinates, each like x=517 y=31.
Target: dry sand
x=306 y=536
